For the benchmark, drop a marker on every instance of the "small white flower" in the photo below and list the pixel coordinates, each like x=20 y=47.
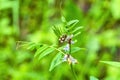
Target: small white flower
x=69 y=37
x=61 y=41
x=69 y=59
x=72 y=60
x=67 y=48
x=72 y=42
x=62 y=38
x=65 y=57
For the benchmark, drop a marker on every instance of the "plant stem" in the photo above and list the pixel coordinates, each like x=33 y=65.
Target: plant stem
x=74 y=74
x=71 y=66
x=69 y=46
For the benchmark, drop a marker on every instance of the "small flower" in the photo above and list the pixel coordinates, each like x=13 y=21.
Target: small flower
x=69 y=59
x=69 y=37
x=72 y=42
x=72 y=60
x=66 y=38
x=65 y=57
x=67 y=48
x=62 y=38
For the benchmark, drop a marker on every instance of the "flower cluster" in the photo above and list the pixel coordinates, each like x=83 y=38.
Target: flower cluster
x=67 y=57
x=62 y=38
x=66 y=38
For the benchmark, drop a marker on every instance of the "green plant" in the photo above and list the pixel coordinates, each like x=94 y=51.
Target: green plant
x=112 y=63
x=64 y=48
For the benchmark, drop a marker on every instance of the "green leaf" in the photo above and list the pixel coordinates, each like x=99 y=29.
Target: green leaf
x=46 y=52
x=24 y=44
x=93 y=78
x=77 y=34
x=56 y=31
x=72 y=29
x=56 y=61
x=31 y=46
x=76 y=29
x=40 y=50
x=72 y=22
x=113 y=63
x=63 y=19
x=75 y=49
x=59 y=30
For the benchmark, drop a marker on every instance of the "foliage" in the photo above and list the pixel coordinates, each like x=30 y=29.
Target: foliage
x=43 y=50
x=32 y=20
x=113 y=63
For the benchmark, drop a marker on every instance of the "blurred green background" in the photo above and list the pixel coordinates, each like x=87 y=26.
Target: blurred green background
x=31 y=20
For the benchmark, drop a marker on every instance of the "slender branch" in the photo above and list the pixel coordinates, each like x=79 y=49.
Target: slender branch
x=57 y=49
x=70 y=48
x=71 y=66
x=69 y=42
x=74 y=74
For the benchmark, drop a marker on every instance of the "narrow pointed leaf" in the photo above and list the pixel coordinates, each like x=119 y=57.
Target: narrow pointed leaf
x=40 y=50
x=56 y=61
x=72 y=22
x=75 y=49
x=46 y=52
x=56 y=31
x=113 y=63
x=31 y=46
x=77 y=29
x=77 y=34
x=62 y=30
x=22 y=44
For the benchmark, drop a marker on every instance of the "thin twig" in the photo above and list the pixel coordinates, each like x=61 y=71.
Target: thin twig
x=74 y=74
x=71 y=66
